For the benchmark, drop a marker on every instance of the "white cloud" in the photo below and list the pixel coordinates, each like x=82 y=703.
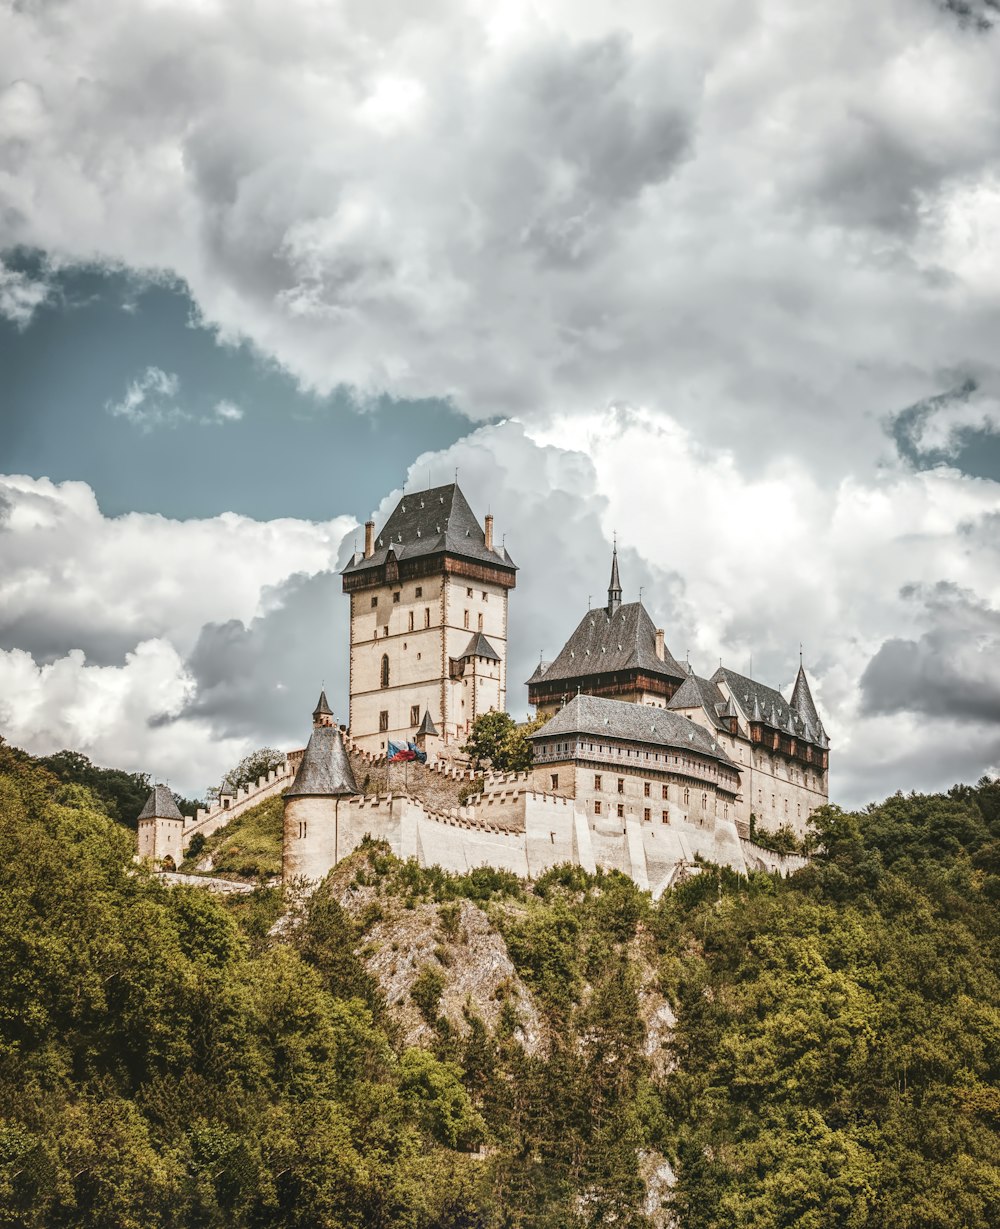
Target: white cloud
x=753 y=215
x=149 y=400
x=227 y=411
x=21 y=295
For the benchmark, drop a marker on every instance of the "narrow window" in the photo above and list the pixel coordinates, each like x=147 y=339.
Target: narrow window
x=385 y=630
x=383 y=720
x=486 y=596
x=665 y=795
x=466 y=618
x=411 y=620
x=395 y=598
x=555 y=780
x=645 y=814
x=621 y=785
x=704 y=802
x=597 y=780
x=414 y=714
x=621 y=810
x=384 y=682
x=666 y=817
x=427 y=616
x=597 y=806
x=646 y=789
x=480 y=622
x=468 y=593
x=374 y=602
x=418 y=592
x=687 y=797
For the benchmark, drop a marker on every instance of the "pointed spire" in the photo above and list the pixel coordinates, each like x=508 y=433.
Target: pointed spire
x=324 y=769
x=322 y=709
x=756 y=715
x=615 y=588
x=802 y=700
x=427 y=725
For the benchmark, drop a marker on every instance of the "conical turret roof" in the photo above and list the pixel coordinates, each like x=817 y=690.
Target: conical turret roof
x=322 y=708
x=160 y=805
x=325 y=769
x=427 y=725
x=802 y=700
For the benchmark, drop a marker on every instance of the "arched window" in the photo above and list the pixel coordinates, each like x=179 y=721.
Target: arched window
x=385 y=669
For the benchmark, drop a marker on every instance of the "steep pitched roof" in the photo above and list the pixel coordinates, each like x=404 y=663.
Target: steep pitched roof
x=479 y=646
x=325 y=768
x=322 y=708
x=432 y=522
x=802 y=700
x=160 y=805
x=636 y=723
x=427 y=725
x=761 y=703
x=538 y=672
x=601 y=644
x=697 y=692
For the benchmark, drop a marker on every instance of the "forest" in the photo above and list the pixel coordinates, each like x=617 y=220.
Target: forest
x=826 y=1047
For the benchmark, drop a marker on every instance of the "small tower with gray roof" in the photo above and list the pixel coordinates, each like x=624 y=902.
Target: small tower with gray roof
x=161 y=830
x=428 y=622
x=323 y=784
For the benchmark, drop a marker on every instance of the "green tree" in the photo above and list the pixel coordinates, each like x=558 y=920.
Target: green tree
x=498 y=742
x=253 y=766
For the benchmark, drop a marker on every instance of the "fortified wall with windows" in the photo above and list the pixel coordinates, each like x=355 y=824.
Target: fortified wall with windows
x=642 y=765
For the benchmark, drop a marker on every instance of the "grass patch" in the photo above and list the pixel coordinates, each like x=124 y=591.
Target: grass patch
x=248 y=847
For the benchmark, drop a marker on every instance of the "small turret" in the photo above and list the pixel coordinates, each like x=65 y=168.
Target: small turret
x=615 y=588
x=161 y=830
x=322 y=713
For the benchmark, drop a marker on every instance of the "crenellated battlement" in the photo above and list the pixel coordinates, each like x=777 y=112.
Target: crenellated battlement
x=228 y=806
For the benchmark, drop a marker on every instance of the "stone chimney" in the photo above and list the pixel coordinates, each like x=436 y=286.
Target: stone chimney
x=369 y=539
x=659 y=643
x=489 y=530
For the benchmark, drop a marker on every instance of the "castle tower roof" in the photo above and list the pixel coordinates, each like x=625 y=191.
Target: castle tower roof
x=479 y=646
x=325 y=769
x=802 y=700
x=615 y=587
x=427 y=725
x=160 y=805
x=322 y=708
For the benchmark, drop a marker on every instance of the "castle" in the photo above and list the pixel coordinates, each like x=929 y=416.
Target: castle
x=641 y=765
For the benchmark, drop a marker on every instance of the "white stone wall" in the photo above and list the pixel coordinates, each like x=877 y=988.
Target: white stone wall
x=161 y=838
x=419 y=634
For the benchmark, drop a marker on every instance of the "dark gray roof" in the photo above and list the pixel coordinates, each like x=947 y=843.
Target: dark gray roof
x=761 y=703
x=538 y=672
x=322 y=708
x=325 y=768
x=479 y=646
x=624 y=641
x=802 y=700
x=160 y=805
x=427 y=725
x=697 y=692
x=635 y=723
x=430 y=523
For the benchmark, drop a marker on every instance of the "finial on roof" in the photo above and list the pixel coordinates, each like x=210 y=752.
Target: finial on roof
x=322 y=711
x=615 y=588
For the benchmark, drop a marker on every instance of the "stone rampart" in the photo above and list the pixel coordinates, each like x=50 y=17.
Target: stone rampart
x=758 y=858
x=228 y=807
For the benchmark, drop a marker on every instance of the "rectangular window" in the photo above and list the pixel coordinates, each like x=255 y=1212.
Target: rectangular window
x=621 y=785
x=466 y=618
x=665 y=795
x=303 y=828
x=597 y=806
x=427 y=616
x=374 y=602
x=621 y=810
x=383 y=720
x=480 y=622
x=704 y=802
x=666 y=817
x=395 y=598
x=646 y=789
x=486 y=596
x=597 y=781
x=418 y=592
x=385 y=630
x=414 y=714
x=646 y=814
x=687 y=797
x=468 y=593
x=555 y=780
x=411 y=620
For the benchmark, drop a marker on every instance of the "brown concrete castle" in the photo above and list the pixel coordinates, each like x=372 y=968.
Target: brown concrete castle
x=642 y=765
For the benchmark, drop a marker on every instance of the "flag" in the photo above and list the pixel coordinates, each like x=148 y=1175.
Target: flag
x=399 y=752
x=419 y=756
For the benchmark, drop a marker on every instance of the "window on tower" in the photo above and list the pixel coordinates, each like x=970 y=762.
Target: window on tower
x=411 y=620
x=466 y=618
x=480 y=622
x=419 y=591
x=427 y=616
x=414 y=714
x=384 y=678
x=383 y=720
x=374 y=602
x=395 y=597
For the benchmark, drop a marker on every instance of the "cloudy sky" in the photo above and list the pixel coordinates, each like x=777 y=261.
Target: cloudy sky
x=723 y=278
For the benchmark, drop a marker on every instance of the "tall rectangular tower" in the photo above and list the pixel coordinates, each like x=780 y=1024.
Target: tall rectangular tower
x=428 y=621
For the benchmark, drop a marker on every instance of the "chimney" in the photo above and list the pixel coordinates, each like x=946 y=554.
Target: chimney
x=489 y=530
x=659 y=643
x=369 y=539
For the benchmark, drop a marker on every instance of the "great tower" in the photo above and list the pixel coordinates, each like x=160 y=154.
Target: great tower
x=428 y=621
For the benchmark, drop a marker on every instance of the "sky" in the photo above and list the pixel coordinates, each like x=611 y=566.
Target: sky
x=721 y=279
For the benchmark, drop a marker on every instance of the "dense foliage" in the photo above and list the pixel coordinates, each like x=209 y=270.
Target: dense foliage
x=170 y=1059
x=248 y=847
x=497 y=741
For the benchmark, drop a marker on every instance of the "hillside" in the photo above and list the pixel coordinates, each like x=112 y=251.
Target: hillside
x=248 y=847
x=407 y=1048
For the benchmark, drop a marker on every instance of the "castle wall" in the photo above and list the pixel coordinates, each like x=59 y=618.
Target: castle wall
x=210 y=820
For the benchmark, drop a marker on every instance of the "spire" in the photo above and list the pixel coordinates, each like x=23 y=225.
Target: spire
x=802 y=700
x=322 y=710
x=615 y=588
x=324 y=769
